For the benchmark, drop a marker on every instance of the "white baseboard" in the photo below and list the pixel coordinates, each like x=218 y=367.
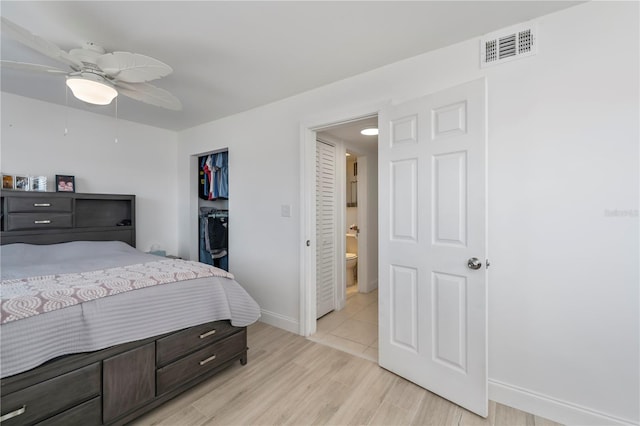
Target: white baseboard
x=286 y=323
x=372 y=285
x=551 y=408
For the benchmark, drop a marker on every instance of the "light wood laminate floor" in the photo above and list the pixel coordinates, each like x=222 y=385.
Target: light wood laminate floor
x=292 y=380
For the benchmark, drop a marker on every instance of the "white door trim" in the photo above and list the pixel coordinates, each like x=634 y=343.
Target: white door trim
x=308 y=129
x=363 y=223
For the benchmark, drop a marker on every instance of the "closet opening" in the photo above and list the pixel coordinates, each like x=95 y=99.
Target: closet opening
x=213 y=208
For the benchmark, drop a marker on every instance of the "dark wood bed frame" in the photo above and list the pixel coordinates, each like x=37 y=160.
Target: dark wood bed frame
x=117 y=384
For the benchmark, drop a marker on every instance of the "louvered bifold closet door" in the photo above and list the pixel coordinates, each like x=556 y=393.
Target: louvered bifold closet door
x=326 y=208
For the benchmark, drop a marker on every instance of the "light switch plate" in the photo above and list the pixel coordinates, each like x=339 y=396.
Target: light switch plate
x=285 y=210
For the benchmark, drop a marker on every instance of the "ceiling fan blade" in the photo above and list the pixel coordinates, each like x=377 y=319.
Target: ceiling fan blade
x=145 y=92
x=38 y=44
x=132 y=67
x=23 y=66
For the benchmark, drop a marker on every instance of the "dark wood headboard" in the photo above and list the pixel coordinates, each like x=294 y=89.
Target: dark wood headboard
x=57 y=217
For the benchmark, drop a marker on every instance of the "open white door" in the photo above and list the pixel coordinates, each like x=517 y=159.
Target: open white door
x=433 y=300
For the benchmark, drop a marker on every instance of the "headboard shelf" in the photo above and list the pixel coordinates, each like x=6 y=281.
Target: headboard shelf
x=55 y=217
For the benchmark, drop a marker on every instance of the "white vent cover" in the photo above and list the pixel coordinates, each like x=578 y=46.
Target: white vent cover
x=508 y=44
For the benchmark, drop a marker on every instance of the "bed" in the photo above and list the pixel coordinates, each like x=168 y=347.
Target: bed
x=97 y=332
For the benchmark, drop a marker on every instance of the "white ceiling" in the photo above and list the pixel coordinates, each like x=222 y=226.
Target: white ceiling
x=356 y=142
x=231 y=56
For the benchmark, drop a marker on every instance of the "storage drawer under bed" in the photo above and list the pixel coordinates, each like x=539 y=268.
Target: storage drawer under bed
x=183 y=342
x=53 y=396
x=198 y=363
x=85 y=414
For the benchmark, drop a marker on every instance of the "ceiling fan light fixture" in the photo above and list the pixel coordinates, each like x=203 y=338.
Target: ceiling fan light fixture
x=369 y=131
x=91 y=88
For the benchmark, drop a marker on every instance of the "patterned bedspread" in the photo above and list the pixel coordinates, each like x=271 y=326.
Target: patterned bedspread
x=26 y=297
x=84 y=296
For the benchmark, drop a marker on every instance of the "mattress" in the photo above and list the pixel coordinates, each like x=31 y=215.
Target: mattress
x=119 y=318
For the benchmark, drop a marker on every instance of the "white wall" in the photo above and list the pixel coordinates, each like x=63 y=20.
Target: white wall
x=141 y=163
x=263 y=175
x=563 y=149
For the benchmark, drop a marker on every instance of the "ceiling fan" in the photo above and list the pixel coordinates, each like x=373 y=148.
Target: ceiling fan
x=96 y=76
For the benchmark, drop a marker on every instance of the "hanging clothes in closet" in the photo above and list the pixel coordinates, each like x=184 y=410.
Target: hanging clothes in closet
x=214 y=176
x=214 y=242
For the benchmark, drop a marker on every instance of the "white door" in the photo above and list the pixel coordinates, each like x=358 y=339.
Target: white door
x=326 y=217
x=432 y=183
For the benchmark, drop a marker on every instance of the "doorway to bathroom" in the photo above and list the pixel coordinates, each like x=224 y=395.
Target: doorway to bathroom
x=349 y=322
x=425 y=249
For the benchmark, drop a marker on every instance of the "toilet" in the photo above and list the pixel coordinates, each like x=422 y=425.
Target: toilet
x=352 y=258
x=352 y=263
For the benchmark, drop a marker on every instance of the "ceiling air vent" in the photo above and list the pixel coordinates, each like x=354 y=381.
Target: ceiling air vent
x=508 y=44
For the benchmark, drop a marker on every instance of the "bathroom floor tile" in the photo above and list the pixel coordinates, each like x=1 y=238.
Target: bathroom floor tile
x=351 y=290
x=331 y=321
x=353 y=309
x=367 y=314
x=358 y=331
x=353 y=329
x=364 y=299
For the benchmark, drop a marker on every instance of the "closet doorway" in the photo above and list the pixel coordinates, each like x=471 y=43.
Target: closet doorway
x=213 y=208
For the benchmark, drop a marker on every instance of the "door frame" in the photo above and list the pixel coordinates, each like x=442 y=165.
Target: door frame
x=363 y=223
x=307 y=253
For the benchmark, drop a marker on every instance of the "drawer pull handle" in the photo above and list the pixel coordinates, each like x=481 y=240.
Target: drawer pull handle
x=41 y=204
x=208 y=333
x=204 y=361
x=13 y=413
x=40 y=222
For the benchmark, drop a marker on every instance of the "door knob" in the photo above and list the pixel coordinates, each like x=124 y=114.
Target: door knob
x=474 y=263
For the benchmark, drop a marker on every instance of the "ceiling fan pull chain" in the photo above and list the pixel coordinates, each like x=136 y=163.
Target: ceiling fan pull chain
x=66 y=110
x=117 y=119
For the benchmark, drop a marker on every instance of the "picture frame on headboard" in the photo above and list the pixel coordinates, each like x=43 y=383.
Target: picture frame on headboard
x=7 y=181
x=38 y=183
x=65 y=183
x=21 y=183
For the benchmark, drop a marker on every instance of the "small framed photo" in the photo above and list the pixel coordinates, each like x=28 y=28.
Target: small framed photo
x=65 y=183
x=38 y=183
x=7 y=181
x=22 y=183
